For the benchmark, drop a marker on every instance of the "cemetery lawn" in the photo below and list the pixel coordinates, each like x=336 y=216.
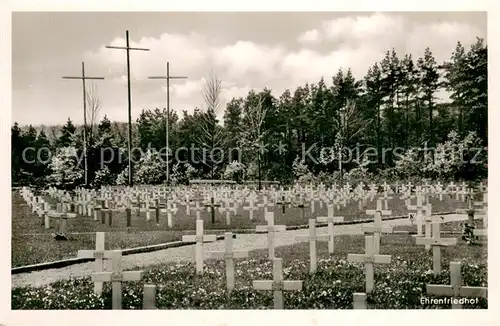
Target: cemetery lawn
x=399 y=285
x=32 y=243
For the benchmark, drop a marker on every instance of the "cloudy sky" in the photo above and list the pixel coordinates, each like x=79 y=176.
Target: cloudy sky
x=247 y=50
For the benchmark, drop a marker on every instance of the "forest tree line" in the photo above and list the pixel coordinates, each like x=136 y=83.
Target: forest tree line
x=395 y=105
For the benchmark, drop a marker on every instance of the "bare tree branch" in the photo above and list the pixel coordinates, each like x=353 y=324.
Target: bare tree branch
x=93 y=108
x=351 y=122
x=211 y=136
x=211 y=93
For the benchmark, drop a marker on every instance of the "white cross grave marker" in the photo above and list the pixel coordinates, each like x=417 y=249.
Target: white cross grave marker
x=270 y=229
x=436 y=242
x=456 y=290
x=312 y=238
x=369 y=258
x=99 y=254
x=377 y=229
x=117 y=276
x=229 y=255
x=278 y=285
x=251 y=207
x=331 y=220
x=419 y=208
x=199 y=238
x=226 y=209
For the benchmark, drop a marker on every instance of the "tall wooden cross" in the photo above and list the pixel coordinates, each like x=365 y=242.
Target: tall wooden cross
x=167 y=118
x=127 y=48
x=199 y=238
x=270 y=229
x=312 y=238
x=436 y=242
x=455 y=289
x=229 y=255
x=331 y=220
x=84 y=78
x=369 y=258
x=377 y=229
x=116 y=277
x=277 y=285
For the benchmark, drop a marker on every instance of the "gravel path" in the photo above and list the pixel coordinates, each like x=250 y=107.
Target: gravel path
x=242 y=242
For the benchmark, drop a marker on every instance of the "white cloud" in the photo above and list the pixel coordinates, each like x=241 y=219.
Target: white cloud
x=354 y=42
x=186 y=89
x=364 y=27
x=311 y=36
x=246 y=57
x=441 y=38
x=230 y=92
x=187 y=54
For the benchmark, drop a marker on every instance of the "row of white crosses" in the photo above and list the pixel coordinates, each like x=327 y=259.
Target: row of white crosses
x=45 y=211
x=252 y=206
x=123 y=202
x=276 y=285
x=228 y=255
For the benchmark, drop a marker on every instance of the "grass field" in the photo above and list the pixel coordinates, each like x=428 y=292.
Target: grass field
x=32 y=243
x=398 y=285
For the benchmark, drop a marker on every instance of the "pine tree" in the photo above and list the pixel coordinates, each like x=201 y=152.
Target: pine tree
x=44 y=153
x=232 y=122
x=390 y=75
x=476 y=94
x=455 y=82
x=373 y=99
x=68 y=133
x=409 y=84
x=429 y=82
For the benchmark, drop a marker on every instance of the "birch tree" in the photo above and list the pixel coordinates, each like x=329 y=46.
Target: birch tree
x=252 y=131
x=92 y=114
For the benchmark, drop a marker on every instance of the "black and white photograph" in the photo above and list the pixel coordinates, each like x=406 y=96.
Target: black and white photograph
x=331 y=160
